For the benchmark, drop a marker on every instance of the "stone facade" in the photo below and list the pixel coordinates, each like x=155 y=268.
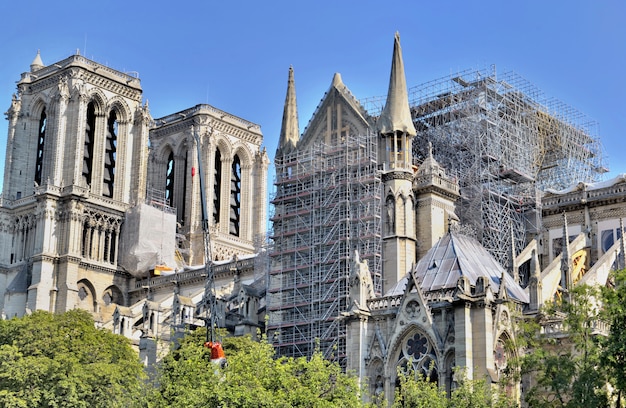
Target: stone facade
x=99 y=199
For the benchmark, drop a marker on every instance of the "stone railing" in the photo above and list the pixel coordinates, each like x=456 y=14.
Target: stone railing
x=190 y=275
x=206 y=108
x=79 y=59
x=385 y=303
x=558 y=328
x=435 y=180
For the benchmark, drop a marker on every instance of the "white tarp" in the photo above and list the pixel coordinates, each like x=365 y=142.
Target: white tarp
x=148 y=238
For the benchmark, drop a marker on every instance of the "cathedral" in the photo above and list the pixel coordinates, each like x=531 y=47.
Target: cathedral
x=101 y=202
x=407 y=232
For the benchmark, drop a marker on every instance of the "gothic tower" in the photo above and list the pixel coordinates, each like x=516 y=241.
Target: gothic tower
x=436 y=194
x=235 y=177
x=396 y=131
x=76 y=161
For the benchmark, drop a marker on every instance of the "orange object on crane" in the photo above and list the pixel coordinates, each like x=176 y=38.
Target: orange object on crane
x=217 y=352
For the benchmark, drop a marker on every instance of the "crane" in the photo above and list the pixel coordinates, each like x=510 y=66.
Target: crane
x=210 y=321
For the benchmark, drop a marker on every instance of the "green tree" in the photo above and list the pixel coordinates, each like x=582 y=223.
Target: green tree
x=63 y=360
x=561 y=352
x=417 y=392
x=254 y=377
x=614 y=350
x=479 y=394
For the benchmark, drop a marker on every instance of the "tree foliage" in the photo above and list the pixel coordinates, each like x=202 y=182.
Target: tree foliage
x=254 y=377
x=63 y=360
x=417 y=392
x=614 y=345
x=561 y=351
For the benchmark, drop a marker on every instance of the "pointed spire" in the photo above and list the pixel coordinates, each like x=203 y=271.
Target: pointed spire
x=566 y=273
x=535 y=286
x=513 y=268
x=290 y=131
x=622 y=245
x=37 y=63
x=396 y=115
x=337 y=82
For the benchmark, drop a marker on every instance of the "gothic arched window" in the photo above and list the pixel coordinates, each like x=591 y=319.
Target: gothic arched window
x=110 y=154
x=419 y=357
x=235 y=197
x=217 y=185
x=40 y=145
x=169 y=180
x=90 y=132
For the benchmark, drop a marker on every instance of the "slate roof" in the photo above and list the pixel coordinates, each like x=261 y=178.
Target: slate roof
x=457 y=255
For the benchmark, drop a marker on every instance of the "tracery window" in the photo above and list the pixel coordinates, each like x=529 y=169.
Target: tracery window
x=90 y=132
x=110 y=154
x=100 y=237
x=418 y=356
x=40 y=146
x=235 y=197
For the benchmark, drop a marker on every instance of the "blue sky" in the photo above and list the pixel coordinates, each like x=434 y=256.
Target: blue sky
x=235 y=55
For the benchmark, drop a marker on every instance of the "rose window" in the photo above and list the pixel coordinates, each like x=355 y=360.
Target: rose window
x=418 y=355
x=499 y=355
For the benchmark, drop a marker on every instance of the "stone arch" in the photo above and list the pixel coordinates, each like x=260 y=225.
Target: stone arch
x=37 y=106
x=245 y=156
x=224 y=146
x=447 y=371
x=502 y=352
x=376 y=378
x=390 y=212
x=87 y=296
x=113 y=295
x=99 y=101
x=415 y=348
x=122 y=109
x=163 y=149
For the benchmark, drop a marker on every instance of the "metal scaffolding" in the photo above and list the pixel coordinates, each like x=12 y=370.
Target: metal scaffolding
x=506 y=143
x=326 y=206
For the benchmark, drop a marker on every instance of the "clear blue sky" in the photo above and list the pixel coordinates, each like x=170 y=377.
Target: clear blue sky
x=235 y=55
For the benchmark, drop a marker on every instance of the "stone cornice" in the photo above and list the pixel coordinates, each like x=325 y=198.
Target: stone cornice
x=397 y=175
x=91 y=72
x=110 y=269
x=206 y=115
x=580 y=199
x=45 y=258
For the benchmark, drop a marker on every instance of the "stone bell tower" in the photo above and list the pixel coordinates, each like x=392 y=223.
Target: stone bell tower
x=76 y=161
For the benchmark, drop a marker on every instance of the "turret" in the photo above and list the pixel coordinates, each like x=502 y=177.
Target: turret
x=37 y=64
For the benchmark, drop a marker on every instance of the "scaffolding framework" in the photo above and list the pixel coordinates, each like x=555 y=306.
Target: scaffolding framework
x=505 y=142
x=327 y=205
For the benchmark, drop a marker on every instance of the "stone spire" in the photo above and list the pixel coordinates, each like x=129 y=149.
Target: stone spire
x=396 y=115
x=290 y=131
x=37 y=63
x=622 y=245
x=566 y=271
x=513 y=267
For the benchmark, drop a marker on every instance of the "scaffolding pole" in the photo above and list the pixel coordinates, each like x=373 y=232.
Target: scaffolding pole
x=326 y=206
x=505 y=142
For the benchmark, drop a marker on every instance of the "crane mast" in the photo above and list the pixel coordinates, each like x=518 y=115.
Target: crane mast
x=209 y=289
